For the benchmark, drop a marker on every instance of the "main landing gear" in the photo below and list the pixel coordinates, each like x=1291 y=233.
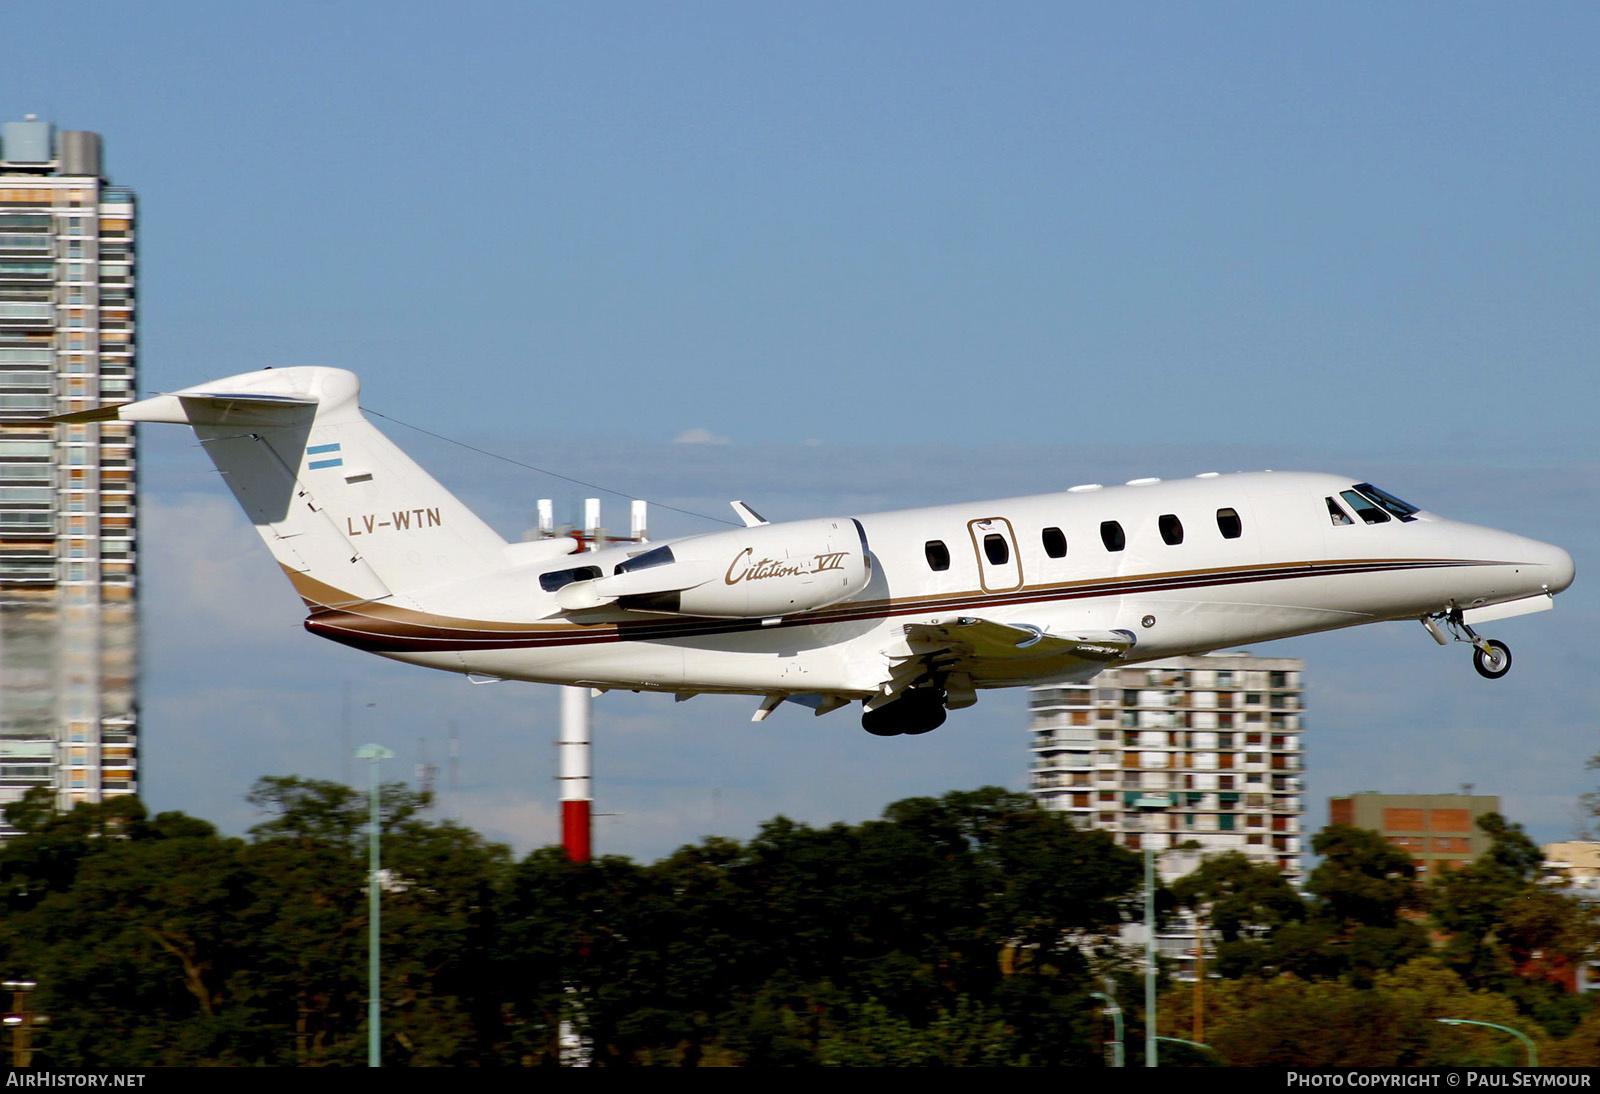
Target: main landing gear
x=1490 y=656
x=918 y=710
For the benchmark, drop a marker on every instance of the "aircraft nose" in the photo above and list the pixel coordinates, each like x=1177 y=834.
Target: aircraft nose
x=1558 y=565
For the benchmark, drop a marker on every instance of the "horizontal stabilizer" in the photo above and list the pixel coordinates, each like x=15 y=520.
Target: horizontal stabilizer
x=196 y=406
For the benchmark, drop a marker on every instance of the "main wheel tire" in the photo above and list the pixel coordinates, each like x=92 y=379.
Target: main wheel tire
x=883 y=722
x=919 y=710
x=1494 y=662
x=931 y=720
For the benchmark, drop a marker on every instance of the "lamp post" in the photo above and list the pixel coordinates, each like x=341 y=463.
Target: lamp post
x=1116 y=1024
x=1191 y=1044
x=1150 y=805
x=1533 y=1052
x=21 y=1020
x=373 y=754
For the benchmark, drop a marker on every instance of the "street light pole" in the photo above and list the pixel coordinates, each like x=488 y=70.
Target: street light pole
x=1116 y=1024
x=1533 y=1052
x=373 y=754
x=1150 y=805
x=22 y=1020
x=1191 y=1044
x=1149 y=950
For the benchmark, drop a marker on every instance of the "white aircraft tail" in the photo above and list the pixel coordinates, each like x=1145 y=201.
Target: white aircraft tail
x=348 y=516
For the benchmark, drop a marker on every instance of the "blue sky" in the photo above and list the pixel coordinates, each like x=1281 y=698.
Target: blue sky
x=893 y=254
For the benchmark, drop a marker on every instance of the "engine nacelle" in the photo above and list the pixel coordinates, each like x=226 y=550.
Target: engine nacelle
x=777 y=569
x=760 y=572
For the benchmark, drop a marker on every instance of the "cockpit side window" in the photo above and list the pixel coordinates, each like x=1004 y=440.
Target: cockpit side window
x=1336 y=514
x=1402 y=509
x=1364 y=509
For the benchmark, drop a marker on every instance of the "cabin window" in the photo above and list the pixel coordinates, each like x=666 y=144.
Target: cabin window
x=1229 y=524
x=1401 y=509
x=557 y=579
x=996 y=550
x=1171 y=529
x=938 y=554
x=661 y=556
x=1055 y=542
x=1365 y=509
x=1337 y=514
x=1112 y=535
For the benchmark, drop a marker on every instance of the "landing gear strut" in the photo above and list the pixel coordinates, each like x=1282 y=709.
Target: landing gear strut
x=1490 y=656
x=919 y=710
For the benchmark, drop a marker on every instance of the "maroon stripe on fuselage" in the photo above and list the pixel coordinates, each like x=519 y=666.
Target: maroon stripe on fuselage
x=386 y=634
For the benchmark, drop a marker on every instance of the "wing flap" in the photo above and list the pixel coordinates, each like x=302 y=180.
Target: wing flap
x=986 y=640
x=987 y=651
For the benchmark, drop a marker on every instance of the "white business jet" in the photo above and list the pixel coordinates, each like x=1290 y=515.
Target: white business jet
x=909 y=612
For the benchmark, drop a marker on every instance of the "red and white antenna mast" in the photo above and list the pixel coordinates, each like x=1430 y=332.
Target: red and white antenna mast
x=576 y=795
x=574 y=769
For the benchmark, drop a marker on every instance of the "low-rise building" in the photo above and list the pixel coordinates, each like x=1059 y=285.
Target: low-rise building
x=1438 y=831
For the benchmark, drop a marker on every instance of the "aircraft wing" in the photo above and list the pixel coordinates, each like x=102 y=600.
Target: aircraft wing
x=990 y=651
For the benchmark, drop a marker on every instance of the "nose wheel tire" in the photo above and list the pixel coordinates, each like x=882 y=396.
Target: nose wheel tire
x=1492 y=660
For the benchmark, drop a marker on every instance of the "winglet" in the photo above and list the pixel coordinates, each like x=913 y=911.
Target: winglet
x=750 y=517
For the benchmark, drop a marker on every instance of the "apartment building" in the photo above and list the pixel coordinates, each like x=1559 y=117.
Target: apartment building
x=68 y=566
x=1220 y=735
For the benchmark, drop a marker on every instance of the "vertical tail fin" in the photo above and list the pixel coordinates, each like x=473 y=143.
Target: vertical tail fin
x=346 y=513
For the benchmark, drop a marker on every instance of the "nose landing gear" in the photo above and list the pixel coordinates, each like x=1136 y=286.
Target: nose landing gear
x=1490 y=656
x=1492 y=659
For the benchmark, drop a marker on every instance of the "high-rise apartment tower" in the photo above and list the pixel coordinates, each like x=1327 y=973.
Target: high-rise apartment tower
x=1218 y=736
x=68 y=615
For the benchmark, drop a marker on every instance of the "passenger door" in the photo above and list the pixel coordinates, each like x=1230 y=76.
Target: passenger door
x=999 y=564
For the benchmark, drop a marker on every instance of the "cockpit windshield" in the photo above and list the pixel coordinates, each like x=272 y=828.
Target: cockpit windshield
x=1402 y=509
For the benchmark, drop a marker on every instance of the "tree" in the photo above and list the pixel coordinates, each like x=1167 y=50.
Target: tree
x=1508 y=929
x=1363 y=888
x=1288 y=1021
x=131 y=927
x=1246 y=903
